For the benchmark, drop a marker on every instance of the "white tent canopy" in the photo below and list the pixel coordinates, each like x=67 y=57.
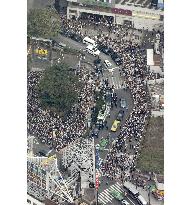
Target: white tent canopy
x=150 y=59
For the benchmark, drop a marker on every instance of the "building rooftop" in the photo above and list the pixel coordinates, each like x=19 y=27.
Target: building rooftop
x=156 y=89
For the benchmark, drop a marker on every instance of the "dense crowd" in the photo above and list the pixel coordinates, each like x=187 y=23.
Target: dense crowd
x=120 y=160
x=134 y=63
x=48 y=126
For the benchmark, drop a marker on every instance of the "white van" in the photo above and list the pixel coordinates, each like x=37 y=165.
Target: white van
x=92 y=50
x=89 y=41
x=108 y=66
x=141 y=200
x=132 y=191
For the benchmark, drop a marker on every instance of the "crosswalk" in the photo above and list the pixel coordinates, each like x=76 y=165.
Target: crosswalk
x=105 y=196
x=115 y=81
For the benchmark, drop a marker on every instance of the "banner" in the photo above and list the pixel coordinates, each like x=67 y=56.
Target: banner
x=121 y=11
x=144 y=14
x=97 y=181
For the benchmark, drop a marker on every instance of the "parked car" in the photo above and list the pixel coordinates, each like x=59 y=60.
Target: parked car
x=108 y=66
x=97 y=61
x=115 y=125
x=117 y=195
x=89 y=41
x=116 y=58
x=120 y=115
x=92 y=50
x=123 y=103
x=103 y=143
x=76 y=38
x=42 y=153
x=95 y=132
x=105 y=49
x=98 y=65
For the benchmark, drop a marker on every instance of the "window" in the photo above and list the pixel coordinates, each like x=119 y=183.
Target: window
x=28 y=201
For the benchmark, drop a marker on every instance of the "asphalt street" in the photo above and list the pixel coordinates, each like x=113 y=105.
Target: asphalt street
x=80 y=47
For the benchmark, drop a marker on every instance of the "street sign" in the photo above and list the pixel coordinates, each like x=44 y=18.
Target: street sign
x=41 y=51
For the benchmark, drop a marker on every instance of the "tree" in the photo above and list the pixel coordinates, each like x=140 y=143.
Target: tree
x=59 y=88
x=44 y=23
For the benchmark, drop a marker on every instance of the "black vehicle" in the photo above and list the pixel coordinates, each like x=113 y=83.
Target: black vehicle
x=97 y=62
x=120 y=115
x=105 y=49
x=42 y=153
x=76 y=38
x=99 y=124
x=117 y=59
x=95 y=132
x=108 y=97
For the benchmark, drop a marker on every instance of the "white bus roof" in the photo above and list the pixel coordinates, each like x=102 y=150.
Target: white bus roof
x=90 y=47
x=131 y=187
x=142 y=200
x=89 y=40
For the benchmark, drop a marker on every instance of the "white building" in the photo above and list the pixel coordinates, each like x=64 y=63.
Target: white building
x=137 y=13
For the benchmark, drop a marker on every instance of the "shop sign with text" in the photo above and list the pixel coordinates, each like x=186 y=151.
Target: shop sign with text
x=121 y=11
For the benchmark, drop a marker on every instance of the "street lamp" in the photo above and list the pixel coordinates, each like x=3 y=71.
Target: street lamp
x=136 y=182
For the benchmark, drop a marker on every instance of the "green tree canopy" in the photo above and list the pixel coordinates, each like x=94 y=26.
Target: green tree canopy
x=44 y=23
x=58 y=88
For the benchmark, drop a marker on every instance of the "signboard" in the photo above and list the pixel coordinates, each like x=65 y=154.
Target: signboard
x=97 y=159
x=41 y=51
x=97 y=181
x=101 y=3
x=144 y=14
x=121 y=11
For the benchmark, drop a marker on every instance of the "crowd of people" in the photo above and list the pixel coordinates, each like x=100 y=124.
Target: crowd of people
x=48 y=126
x=134 y=69
x=120 y=161
x=81 y=26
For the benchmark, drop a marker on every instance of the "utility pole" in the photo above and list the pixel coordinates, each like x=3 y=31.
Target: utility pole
x=149 y=194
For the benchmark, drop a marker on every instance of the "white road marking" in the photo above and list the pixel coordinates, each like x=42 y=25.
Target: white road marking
x=118 y=187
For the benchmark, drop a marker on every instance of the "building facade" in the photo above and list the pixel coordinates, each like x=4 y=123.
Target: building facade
x=137 y=16
x=32 y=201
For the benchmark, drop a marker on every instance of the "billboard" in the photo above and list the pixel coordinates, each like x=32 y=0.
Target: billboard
x=121 y=11
x=101 y=3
